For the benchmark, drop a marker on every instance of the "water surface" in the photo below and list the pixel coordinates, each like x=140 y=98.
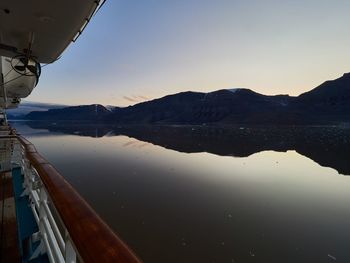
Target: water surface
x=209 y=194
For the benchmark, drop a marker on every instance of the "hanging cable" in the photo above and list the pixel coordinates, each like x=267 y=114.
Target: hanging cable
x=3 y=84
x=10 y=70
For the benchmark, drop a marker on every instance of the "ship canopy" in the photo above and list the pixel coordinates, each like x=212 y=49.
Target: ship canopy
x=45 y=27
x=34 y=32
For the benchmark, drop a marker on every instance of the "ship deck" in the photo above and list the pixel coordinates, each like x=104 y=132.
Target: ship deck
x=9 y=251
x=43 y=219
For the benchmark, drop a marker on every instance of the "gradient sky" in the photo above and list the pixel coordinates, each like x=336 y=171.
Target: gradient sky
x=134 y=50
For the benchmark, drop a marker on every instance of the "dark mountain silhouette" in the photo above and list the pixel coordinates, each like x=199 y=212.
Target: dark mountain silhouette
x=330 y=93
x=79 y=113
x=26 y=107
x=328 y=103
x=224 y=106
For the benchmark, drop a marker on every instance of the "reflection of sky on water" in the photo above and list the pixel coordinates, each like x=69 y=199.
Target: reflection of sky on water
x=204 y=207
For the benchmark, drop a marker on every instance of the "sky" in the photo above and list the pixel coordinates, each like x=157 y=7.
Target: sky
x=137 y=50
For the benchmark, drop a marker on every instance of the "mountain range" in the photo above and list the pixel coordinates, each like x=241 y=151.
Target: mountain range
x=328 y=103
x=26 y=107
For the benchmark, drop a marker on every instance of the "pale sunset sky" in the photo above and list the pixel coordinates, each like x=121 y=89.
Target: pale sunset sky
x=135 y=50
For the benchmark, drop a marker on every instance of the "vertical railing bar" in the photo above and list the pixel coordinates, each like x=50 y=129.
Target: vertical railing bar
x=35 y=213
x=54 y=227
x=52 y=240
x=36 y=198
x=70 y=254
x=47 y=246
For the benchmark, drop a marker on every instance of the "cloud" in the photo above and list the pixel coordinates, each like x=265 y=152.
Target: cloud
x=136 y=98
x=130 y=99
x=144 y=97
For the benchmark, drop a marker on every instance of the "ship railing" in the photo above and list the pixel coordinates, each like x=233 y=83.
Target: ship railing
x=69 y=229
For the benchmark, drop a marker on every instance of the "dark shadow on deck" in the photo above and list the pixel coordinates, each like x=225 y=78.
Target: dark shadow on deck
x=8 y=233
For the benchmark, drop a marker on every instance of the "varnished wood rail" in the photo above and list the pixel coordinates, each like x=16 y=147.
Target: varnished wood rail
x=92 y=238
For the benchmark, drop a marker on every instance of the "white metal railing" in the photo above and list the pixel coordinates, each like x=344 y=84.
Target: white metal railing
x=55 y=242
x=69 y=230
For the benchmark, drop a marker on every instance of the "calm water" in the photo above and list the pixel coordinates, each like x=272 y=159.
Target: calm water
x=204 y=194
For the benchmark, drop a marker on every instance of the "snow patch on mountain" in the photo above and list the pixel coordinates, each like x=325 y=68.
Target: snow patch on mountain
x=110 y=107
x=234 y=90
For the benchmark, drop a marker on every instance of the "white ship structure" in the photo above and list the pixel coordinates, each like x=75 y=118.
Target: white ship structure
x=50 y=221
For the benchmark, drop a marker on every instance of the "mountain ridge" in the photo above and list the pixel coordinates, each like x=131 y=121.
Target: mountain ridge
x=328 y=103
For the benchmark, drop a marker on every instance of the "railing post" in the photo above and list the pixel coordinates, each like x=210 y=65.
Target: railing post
x=70 y=254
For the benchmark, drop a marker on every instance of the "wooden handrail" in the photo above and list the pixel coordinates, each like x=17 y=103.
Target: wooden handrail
x=94 y=240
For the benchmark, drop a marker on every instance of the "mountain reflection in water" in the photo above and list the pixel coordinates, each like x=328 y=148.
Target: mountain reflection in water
x=176 y=194
x=328 y=146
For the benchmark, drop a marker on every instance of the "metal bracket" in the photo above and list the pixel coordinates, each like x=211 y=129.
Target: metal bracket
x=40 y=250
